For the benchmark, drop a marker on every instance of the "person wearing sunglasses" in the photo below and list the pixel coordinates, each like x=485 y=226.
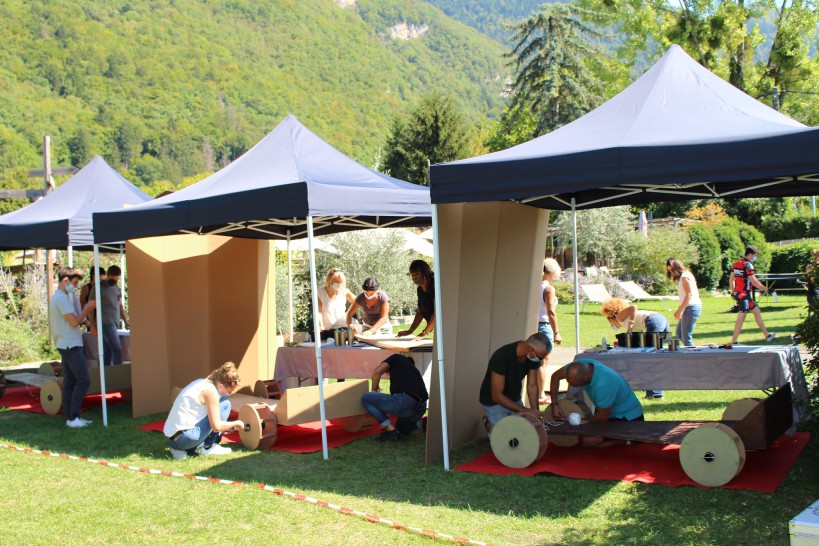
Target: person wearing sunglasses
x=501 y=392
x=199 y=415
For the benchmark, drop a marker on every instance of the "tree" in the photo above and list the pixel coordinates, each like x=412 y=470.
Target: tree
x=601 y=233
x=435 y=132
x=726 y=36
x=557 y=74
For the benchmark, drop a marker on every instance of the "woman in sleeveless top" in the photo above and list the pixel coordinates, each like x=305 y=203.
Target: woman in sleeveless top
x=547 y=318
x=199 y=415
x=622 y=315
x=690 y=304
x=332 y=302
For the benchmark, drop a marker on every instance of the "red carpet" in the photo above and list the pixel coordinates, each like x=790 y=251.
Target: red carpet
x=304 y=438
x=28 y=399
x=651 y=463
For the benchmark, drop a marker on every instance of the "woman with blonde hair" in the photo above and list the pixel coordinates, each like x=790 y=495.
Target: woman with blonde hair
x=622 y=315
x=547 y=317
x=199 y=414
x=332 y=302
x=690 y=304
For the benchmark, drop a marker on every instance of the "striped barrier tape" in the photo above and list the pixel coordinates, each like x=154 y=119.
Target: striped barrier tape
x=428 y=533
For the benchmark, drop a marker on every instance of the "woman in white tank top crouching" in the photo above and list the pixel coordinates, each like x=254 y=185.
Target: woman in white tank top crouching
x=199 y=414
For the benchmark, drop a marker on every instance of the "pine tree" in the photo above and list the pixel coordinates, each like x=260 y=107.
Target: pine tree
x=556 y=80
x=435 y=132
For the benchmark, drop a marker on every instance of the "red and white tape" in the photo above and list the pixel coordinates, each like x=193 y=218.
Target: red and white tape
x=429 y=533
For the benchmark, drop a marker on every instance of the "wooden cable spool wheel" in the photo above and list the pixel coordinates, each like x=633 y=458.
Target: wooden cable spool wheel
x=355 y=423
x=51 y=368
x=51 y=396
x=738 y=409
x=712 y=455
x=567 y=407
x=519 y=440
x=267 y=389
x=261 y=427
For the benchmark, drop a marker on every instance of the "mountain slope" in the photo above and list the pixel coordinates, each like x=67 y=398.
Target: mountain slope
x=170 y=88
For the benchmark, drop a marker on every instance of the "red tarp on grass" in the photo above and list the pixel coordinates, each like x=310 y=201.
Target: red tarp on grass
x=304 y=438
x=651 y=463
x=27 y=398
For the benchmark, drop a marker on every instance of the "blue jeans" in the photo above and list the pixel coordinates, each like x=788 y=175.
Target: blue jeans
x=201 y=433
x=497 y=412
x=75 y=381
x=656 y=323
x=407 y=409
x=685 y=328
x=111 y=346
x=546 y=329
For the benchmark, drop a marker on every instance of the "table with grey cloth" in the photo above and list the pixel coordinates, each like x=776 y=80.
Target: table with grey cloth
x=354 y=362
x=90 y=349
x=743 y=367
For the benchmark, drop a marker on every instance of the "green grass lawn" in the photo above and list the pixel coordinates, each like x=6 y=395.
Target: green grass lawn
x=51 y=500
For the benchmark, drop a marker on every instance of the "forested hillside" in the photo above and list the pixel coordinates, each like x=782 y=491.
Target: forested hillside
x=489 y=16
x=165 y=89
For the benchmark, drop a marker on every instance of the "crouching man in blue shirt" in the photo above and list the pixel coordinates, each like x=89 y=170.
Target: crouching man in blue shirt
x=610 y=393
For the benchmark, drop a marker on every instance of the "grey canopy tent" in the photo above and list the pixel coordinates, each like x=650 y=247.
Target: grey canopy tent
x=62 y=219
x=677 y=133
x=291 y=184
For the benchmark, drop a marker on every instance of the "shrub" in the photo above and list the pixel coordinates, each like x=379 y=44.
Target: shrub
x=808 y=332
x=18 y=342
x=708 y=270
x=734 y=236
x=792 y=258
x=643 y=259
x=564 y=291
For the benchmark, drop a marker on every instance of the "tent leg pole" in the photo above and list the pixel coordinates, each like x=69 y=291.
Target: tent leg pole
x=317 y=333
x=100 y=353
x=122 y=279
x=576 y=280
x=289 y=289
x=439 y=334
x=70 y=256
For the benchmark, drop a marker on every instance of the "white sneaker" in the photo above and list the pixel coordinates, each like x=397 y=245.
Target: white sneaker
x=178 y=454
x=215 y=449
x=770 y=336
x=76 y=423
x=86 y=421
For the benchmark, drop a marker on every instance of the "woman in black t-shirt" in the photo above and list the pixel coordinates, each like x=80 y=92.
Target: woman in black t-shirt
x=422 y=276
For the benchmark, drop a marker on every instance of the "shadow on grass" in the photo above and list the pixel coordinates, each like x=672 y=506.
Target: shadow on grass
x=396 y=472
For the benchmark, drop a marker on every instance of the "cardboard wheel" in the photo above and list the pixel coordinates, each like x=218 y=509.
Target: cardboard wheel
x=567 y=407
x=738 y=409
x=260 y=389
x=260 y=426
x=712 y=454
x=355 y=423
x=519 y=440
x=51 y=396
x=51 y=368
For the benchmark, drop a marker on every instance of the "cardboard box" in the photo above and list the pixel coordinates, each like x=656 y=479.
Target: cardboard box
x=804 y=528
